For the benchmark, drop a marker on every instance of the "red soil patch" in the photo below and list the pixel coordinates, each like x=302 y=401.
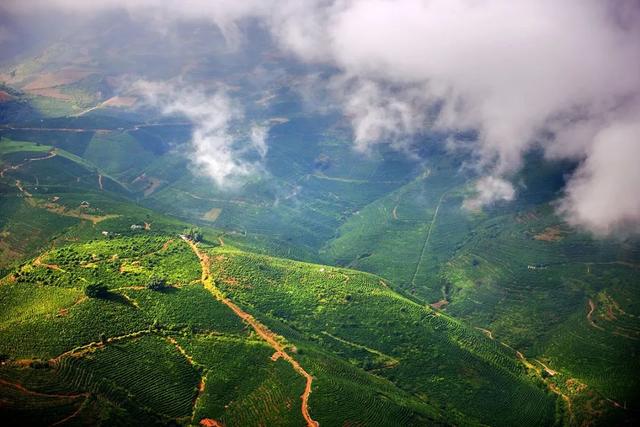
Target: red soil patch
x=166 y=245
x=575 y=386
x=152 y=185
x=550 y=234
x=38 y=262
x=438 y=305
x=120 y=101
x=208 y=422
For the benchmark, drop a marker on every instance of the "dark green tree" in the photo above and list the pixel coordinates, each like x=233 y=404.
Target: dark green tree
x=96 y=290
x=194 y=234
x=157 y=284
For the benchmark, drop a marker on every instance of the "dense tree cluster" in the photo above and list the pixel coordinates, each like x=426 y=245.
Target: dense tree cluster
x=96 y=290
x=157 y=284
x=193 y=234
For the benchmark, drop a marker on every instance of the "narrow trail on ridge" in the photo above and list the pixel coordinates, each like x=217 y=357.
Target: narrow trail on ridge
x=426 y=240
x=49 y=155
x=264 y=332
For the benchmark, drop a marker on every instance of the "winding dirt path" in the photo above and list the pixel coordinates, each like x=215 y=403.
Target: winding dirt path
x=487 y=332
x=394 y=212
x=264 y=332
x=23 y=389
x=53 y=207
x=89 y=347
x=390 y=360
x=550 y=371
x=49 y=155
x=592 y=307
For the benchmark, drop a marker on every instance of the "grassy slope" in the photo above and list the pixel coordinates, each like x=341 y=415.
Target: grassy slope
x=357 y=316
x=29 y=223
x=383 y=214
x=143 y=372
x=365 y=374
x=517 y=271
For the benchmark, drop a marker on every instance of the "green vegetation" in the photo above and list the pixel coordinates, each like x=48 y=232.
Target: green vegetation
x=147 y=351
x=96 y=290
x=462 y=312
x=358 y=317
x=193 y=234
x=157 y=284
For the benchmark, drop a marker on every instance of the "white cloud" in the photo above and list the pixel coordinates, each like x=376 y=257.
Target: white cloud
x=258 y=138
x=489 y=190
x=514 y=71
x=379 y=113
x=602 y=196
x=216 y=152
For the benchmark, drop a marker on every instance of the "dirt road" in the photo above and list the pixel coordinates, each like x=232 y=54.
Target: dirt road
x=260 y=329
x=49 y=155
x=592 y=307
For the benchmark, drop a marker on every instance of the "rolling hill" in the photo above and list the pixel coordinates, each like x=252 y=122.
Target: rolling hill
x=182 y=353
x=332 y=286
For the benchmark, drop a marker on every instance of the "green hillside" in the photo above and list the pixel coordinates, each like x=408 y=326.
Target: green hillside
x=481 y=270
x=336 y=275
x=51 y=196
x=180 y=354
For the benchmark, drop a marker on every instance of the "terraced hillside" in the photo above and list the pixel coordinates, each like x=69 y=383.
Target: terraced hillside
x=184 y=353
x=336 y=274
x=515 y=271
x=519 y=273
x=52 y=196
x=483 y=268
